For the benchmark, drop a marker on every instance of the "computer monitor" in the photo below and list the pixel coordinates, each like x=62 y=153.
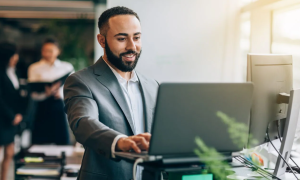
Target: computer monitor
x=271 y=74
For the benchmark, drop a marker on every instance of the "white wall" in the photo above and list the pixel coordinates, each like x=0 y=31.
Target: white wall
x=187 y=40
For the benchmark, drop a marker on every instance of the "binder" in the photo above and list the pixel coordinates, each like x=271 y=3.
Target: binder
x=40 y=86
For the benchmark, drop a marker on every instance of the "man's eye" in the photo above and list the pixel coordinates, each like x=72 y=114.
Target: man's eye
x=137 y=38
x=121 y=39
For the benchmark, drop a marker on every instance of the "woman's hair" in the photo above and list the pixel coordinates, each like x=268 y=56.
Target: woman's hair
x=7 y=50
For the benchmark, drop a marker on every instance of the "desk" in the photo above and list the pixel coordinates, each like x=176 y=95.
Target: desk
x=154 y=172
x=242 y=173
x=72 y=161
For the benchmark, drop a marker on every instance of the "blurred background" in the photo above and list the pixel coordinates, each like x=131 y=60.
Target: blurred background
x=183 y=41
x=207 y=41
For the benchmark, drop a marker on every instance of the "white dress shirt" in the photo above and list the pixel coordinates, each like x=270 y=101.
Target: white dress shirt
x=132 y=92
x=11 y=73
x=134 y=100
x=133 y=96
x=43 y=71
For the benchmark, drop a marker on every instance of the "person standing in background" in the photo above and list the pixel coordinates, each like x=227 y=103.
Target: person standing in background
x=50 y=124
x=10 y=108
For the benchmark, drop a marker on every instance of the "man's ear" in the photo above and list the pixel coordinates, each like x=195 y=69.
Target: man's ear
x=101 y=40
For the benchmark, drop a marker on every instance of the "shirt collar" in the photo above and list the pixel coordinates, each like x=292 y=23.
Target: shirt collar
x=133 y=77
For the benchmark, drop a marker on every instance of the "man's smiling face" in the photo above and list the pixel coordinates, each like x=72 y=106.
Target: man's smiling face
x=123 y=42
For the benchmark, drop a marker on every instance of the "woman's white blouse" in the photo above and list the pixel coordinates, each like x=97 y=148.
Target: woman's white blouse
x=11 y=73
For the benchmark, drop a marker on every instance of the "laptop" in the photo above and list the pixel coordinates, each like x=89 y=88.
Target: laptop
x=185 y=111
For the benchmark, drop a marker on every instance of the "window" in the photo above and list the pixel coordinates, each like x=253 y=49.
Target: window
x=245 y=31
x=286 y=37
x=246 y=2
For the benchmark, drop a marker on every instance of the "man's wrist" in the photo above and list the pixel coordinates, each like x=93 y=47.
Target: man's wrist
x=117 y=144
x=114 y=144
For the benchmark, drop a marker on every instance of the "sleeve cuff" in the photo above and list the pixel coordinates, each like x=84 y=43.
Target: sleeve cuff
x=113 y=146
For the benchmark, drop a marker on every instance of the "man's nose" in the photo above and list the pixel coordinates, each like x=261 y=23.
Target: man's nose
x=131 y=45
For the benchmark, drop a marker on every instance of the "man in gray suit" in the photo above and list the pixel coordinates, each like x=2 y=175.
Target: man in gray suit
x=110 y=105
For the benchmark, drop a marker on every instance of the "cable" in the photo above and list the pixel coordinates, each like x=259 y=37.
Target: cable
x=137 y=161
x=255 y=168
x=279 y=152
x=279 y=135
x=281 y=155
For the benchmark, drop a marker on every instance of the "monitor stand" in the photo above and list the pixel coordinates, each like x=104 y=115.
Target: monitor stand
x=289 y=132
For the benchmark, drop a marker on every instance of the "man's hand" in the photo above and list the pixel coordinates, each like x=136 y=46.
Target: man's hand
x=18 y=119
x=136 y=143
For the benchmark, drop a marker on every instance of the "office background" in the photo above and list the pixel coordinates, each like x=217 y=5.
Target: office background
x=183 y=41
x=205 y=41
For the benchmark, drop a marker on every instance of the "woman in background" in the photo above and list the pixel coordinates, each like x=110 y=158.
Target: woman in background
x=10 y=103
x=50 y=124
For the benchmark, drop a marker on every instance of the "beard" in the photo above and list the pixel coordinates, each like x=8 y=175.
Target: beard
x=118 y=62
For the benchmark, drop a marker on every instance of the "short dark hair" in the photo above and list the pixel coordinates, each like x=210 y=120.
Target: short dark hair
x=106 y=15
x=52 y=41
x=7 y=50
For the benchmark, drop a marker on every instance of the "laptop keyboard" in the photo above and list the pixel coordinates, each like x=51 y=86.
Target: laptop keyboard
x=142 y=153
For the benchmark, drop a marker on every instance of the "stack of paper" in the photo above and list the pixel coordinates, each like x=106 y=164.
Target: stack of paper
x=38 y=171
x=52 y=150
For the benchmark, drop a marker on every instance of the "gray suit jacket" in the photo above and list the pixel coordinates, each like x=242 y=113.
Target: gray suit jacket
x=97 y=112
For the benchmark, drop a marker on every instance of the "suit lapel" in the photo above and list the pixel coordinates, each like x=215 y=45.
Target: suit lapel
x=106 y=77
x=146 y=100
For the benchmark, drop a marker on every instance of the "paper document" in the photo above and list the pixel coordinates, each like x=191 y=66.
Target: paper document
x=52 y=150
x=38 y=171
